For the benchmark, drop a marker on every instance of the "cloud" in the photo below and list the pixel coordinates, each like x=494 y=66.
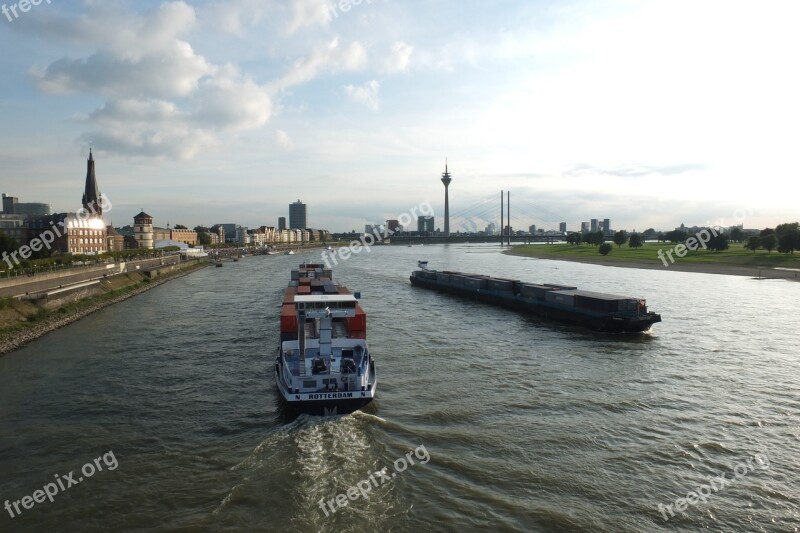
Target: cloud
x=306 y=13
x=283 y=140
x=366 y=94
x=399 y=58
x=163 y=99
x=330 y=57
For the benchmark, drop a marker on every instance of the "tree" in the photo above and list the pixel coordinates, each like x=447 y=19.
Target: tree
x=202 y=229
x=636 y=240
x=204 y=239
x=768 y=241
x=605 y=248
x=783 y=229
x=179 y=226
x=766 y=231
x=718 y=242
x=574 y=238
x=675 y=236
x=789 y=241
x=7 y=244
x=737 y=234
x=620 y=237
x=649 y=233
x=661 y=237
x=753 y=243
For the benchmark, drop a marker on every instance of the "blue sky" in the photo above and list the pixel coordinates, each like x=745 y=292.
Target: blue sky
x=651 y=113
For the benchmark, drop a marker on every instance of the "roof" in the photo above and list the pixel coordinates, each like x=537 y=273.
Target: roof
x=598 y=295
x=326 y=298
x=142 y=215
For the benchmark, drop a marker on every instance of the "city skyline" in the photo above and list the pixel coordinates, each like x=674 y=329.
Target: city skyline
x=217 y=112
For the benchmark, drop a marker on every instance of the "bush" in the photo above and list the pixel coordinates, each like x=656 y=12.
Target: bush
x=605 y=248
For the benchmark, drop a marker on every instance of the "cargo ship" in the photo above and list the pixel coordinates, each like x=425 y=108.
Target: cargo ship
x=324 y=365
x=602 y=312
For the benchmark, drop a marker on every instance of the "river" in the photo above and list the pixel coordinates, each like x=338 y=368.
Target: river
x=485 y=419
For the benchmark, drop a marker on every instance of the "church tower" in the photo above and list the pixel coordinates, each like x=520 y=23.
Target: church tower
x=91 y=193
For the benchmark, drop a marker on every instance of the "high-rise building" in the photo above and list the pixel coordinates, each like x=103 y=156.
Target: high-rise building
x=446 y=179
x=12 y=206
x=594 y=225
x=532 y=229
x=8 y=204
x=584 y=227
x=607 y=226
x=562 y=227
x=491 y=229
x=425 y=224
x=281 y=223
x=297 y=215
x=393 y=225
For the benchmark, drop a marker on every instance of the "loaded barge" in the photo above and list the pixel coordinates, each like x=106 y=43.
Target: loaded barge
x=324 y=366
x=608 y=313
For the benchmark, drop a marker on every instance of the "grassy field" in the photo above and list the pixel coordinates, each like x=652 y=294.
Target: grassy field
x=736 y=255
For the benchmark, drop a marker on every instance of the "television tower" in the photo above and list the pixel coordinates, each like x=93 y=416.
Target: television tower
x=446 y=180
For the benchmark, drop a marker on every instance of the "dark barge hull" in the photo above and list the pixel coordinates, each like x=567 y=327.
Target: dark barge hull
x=596 y=321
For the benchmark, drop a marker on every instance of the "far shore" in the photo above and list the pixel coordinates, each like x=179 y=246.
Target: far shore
x=703 y=268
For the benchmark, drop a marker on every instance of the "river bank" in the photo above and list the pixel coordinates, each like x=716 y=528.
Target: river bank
x=40 y=323
x=590 y=255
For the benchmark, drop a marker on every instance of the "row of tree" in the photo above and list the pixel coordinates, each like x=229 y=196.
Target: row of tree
x=785 y=238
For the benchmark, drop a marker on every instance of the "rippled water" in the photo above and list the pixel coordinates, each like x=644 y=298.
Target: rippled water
x=528 y=425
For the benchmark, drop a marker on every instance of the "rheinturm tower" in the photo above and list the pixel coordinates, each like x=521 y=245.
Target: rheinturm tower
x=91 y=193
x=446 y=180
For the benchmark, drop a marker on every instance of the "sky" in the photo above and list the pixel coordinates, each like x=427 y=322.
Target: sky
x=650 y=113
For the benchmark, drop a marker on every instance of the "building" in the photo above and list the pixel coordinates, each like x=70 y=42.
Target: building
x=281 y=223
x=446 y=179
x=491 y=229
x=594 y=225
x=375 y=229
x=425 y=224
x=532 y=229
x=607 y=226
x=13 y=226
x=8 y=204
x=584 y=227
x=84 y=232
x=143 y=231
x=186 y=236
x=298 y=215
x=115 y=242
x=562 y=227
x=393 y=226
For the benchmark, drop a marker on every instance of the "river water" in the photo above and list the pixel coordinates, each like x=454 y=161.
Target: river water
x=486 y=419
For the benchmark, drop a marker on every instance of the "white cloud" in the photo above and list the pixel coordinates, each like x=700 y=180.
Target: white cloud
x=283 y=140
x=366 y=94
x=306 y=13
x=399 y=58
x=330 y=57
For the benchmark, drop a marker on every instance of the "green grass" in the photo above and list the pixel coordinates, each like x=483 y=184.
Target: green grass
x=735 y=255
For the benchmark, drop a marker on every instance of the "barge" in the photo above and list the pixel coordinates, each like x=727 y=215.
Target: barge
x=609 y=313
x=324 y=365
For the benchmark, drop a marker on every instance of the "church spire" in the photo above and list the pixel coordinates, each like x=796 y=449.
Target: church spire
x=91 y=195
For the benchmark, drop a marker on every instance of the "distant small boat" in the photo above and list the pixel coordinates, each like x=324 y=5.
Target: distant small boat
x=329 y=248
x=218 y=263
x=290 y=252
